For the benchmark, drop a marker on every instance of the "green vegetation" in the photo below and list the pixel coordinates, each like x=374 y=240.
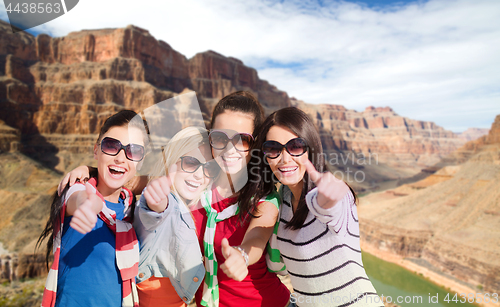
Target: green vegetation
x=22 y=293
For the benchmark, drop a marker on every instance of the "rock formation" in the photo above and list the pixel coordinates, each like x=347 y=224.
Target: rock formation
x=15 y=267
x=69 y=85
x=472 y=134
x=398 y=141
x=448 y=221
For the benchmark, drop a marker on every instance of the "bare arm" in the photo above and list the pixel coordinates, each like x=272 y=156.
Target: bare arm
x=78 y=174
x=254 y=243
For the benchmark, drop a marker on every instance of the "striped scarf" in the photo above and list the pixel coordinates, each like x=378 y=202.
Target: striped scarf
x=274 y=260
x=210 y=296
x=127 y=251
x=211 y=286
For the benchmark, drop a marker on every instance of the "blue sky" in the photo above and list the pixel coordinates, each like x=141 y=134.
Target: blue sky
x=435 y=60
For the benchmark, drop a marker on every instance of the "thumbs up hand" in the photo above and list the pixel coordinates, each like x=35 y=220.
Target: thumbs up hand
x=89 y=205
x=330 y=189
x=235 y=266
x=157 y=192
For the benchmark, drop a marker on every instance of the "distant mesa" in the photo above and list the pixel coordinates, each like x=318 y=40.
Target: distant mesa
x=472 y=134
x=447 y=222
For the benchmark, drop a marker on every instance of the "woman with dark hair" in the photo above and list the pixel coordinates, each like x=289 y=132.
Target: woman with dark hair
x=318 y=231
x=89 y=228
x=222 y=222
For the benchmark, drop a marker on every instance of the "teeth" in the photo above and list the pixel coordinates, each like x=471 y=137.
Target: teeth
x=227 y=159
x=117 y=169
x=194 y=184
x=287 y=169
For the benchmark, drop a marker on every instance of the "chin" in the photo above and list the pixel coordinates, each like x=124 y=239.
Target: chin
x=288 y=181
x=187 y=195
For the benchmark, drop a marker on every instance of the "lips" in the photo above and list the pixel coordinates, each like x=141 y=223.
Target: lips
x=192 y=185
x=230 y=161
x=116 y=172
x=288 y=171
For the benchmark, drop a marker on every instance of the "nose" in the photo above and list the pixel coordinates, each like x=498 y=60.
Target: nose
x=198 y=174
x=230 y=147
x=120 y=157
x=285 y=156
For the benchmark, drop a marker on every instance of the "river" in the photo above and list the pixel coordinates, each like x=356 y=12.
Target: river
x=411 y=289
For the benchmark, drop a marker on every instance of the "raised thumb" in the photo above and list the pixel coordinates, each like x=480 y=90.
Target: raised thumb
x=89 y=189
x=226 y=248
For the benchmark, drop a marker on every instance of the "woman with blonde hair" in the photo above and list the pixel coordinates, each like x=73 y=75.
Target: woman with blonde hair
x=170 y=266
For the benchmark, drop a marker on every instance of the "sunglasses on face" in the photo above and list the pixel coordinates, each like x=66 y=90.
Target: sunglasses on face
x=191 y=165
x=241 y=141
x=112 y=147
x=295 y=147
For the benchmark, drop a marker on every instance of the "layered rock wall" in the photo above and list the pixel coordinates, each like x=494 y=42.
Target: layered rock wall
x=449 y=221
x=68 y=85
x=15 y=267
x=395 y=139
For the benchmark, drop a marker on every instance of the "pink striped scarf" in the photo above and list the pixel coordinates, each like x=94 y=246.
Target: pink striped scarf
x=127 y=251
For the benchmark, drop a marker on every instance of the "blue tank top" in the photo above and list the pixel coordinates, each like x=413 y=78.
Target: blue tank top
x=88 y=275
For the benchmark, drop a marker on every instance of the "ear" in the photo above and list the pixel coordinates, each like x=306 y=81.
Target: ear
x=96 y=148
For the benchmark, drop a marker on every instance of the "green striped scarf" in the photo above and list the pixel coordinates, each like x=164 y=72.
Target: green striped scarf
x=274 y=260
x=210 y=296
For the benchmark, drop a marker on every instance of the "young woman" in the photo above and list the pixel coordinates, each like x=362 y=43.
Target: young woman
x=221 y=223
x=171 y=267
x=318 y=232
x=96 y=252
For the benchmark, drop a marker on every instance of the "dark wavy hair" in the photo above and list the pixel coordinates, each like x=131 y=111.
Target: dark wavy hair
x=120 y=119
x=244 y=102
x=261 y=181
x=241 y=101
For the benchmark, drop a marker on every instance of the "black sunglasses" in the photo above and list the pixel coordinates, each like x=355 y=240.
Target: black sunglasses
x=112 y=147
x=295 y=147
x=241 y=141
x=191 y=164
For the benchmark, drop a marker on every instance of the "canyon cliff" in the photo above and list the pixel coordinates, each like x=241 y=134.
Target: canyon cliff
x=448 y=222
x=54 y=88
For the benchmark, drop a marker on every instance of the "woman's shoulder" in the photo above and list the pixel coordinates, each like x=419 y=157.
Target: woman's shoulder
x=273 y=197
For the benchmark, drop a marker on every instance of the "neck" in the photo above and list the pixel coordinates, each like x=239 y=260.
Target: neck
x=296 y=192
x=229 y=185
x=111 y=195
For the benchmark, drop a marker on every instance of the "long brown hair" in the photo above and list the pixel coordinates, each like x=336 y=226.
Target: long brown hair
x=241 y=101
x=261 y=181
x=244 y=102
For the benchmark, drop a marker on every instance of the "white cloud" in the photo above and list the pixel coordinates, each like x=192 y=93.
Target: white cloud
x=440 y=55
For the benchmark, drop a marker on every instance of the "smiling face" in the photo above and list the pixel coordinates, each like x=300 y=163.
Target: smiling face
x=288 y=170
x=229 y=159
x=190 y=185
x=115 y=171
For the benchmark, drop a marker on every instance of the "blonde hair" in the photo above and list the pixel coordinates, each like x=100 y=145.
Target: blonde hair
x=181 y=143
